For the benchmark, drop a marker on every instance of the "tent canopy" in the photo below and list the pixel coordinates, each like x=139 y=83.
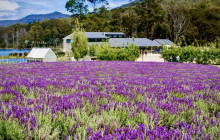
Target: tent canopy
x=38 y=52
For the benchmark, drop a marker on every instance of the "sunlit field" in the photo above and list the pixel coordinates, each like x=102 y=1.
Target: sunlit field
x=109 y=100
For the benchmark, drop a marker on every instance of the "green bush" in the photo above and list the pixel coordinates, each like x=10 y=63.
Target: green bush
x=11 y=130
x=25 y=53
x=60 y=54
x=15 y=54
x=93 y=49
x=106 y=52
x=199 y=55
x=166 y=53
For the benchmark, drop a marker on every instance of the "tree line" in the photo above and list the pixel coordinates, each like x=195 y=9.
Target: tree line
x=38 y=34
x=192 y=54
x=184 y=22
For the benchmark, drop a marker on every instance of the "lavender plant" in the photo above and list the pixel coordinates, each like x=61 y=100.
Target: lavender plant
x=109 y=100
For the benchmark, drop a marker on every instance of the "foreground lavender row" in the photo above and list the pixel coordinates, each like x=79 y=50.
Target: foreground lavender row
x=109 y=100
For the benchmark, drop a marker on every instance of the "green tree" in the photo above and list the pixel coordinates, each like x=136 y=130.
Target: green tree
x=79 y=42
x=178 y=18
x=35 y=34
x=205 y=17
x=151 y=13
x=127 y=53
x=77 y=7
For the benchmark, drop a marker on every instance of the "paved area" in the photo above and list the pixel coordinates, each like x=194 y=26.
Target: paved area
x=151 y=58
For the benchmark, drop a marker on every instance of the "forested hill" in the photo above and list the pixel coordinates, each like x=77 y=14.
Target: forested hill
x=185 y=22
x=165 y=2
x=33 y=18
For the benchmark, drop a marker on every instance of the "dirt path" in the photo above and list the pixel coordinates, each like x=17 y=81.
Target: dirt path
x=151 y=58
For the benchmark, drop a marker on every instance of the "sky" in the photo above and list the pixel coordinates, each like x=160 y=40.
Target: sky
x=17 y=9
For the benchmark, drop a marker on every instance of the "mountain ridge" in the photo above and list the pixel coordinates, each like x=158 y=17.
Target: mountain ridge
x=33 y=17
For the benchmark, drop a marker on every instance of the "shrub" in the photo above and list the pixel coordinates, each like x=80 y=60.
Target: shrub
x=15 y=54
x=60 y=54
x=11 y=130
x=93 y=49
x=20 y=54
x=106 y=52
x=205 y=55
x=25 y=53
x=166 y=53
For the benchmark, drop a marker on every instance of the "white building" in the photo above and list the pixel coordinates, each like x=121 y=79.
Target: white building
x=115 y=39
x=93 y=37
x=41 y=55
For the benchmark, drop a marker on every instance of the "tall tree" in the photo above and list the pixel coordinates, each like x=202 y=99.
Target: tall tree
x=104 y=2
x=151 y=13
x=178 y=18
x=206 y=18
x=94 y=3
x=5 y=36
x=79 y=42
x=130 y=22
x=35 y=33
x=77 y=7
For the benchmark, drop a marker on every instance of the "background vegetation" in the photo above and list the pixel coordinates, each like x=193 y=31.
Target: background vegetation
x=105 y=52
x=199 y=55
x=198 y=21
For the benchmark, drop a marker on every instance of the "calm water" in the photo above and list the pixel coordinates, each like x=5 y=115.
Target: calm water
x=4 y=52
x=13 y=60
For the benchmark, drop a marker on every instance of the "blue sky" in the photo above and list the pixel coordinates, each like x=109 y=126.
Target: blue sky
x=16 y=9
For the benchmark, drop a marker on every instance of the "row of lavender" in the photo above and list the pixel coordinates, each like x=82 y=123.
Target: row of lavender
x=109 y=100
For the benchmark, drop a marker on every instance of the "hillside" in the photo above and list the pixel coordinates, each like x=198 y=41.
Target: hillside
x=32 y=18
x=129 y=4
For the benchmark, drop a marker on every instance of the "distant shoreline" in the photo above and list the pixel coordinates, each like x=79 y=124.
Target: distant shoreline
x=14 y=49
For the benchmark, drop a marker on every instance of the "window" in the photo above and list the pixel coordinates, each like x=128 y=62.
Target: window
x=120 y=36
x=68 y=41
x=91 y=40
x=104 y=40
x=114 y=36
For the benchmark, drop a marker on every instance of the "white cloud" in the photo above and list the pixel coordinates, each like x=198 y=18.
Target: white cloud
x=6 y=5
x=17 y=9
x=34 y=2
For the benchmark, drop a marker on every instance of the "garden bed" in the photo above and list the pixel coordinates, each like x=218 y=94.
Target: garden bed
x=109 y=100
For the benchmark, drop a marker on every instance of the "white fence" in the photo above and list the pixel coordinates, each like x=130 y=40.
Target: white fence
x=13 y=60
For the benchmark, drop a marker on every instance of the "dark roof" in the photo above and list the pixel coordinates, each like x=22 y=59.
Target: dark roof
x=141 y=42
x=96 y=34
x=164 y=41
x=114 y=33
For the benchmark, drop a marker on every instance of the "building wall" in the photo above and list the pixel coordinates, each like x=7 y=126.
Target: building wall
x=66 y=46
x=50 y=57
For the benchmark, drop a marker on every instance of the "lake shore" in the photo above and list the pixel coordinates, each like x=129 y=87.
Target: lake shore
x=15 y=49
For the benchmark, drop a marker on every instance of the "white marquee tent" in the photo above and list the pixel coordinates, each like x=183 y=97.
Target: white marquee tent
x=41 y=55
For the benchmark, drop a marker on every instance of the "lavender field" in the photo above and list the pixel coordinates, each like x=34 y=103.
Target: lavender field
x=109 y=100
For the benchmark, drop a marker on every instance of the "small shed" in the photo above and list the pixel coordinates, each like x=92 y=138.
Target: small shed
x=41 y=55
